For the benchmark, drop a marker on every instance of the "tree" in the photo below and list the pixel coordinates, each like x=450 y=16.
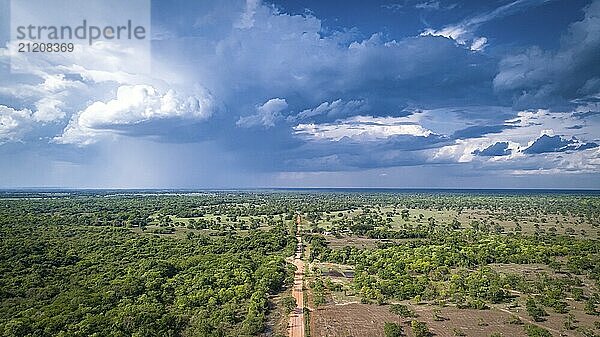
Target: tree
x=404 y=214
x=402 y=310
x=288 y=303
x=535 y=311
x=420 y=329
x=392 y=330
x=590 y=306
x=536 y=331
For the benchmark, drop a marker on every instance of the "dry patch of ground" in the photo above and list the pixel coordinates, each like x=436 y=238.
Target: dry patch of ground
x=357 y=319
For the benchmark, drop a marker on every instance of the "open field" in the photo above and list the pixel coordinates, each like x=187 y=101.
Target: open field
x=342 y=314
x=355 y=319
x=367 y=320
x=528 y=223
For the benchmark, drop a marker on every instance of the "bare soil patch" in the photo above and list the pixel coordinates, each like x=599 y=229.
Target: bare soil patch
x=355 y=319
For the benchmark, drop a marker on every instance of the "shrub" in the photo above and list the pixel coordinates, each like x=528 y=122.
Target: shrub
x=288 y=303
x=392 y=330
x=536 y=331
x=402 y=310
x=535 y=311
x=420 y=329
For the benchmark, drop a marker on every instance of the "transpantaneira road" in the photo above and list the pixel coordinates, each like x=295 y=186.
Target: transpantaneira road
x=296 y=327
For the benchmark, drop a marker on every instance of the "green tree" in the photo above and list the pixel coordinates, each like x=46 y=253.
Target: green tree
x=535 y=331
x=288 y=303
x=392 y=330
x=402 y=310
x=590 y=306
x=420 y=329
x=535 y=311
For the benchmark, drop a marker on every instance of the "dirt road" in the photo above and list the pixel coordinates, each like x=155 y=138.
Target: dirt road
x=296 y=326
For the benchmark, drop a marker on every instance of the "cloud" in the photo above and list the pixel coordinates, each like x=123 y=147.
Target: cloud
x=309 y=65
x=428 y=5
x=334 y=74
x=496 y=149
x=99 y=76
x=361 y=128
x=246 y=20
x=393 y=7
x=13 y=123
x=47 y=95
x=540 y=78
x=546 y=144
x=464 y=31
x=56 y=85
x=424 y=5
x=48 y=109
x=133 y=106
x=266 y=114
x=103 y=56
x=300 y=95
x=455 y=33
x=479 y=44
x=487 y=145
x=370 y=158
x=480 y=130
x=334 y=109
x=426 y=137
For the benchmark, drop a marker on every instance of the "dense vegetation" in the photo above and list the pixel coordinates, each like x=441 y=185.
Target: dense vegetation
x=60 y=279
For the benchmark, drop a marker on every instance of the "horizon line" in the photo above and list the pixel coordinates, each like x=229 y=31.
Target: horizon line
x=3 y=189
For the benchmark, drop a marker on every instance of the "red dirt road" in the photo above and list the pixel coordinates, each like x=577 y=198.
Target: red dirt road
x=296 y=326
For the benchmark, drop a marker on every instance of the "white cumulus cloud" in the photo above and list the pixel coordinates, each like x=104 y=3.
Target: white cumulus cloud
x=134 y=105
x=13 y=123
x=362 y=128
x=48 y=110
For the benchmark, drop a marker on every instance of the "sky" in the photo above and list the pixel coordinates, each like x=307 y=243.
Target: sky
x=244 y=94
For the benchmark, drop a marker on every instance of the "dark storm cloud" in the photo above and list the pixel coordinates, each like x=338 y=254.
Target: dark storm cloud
x=494 y=150
x=545 y=78
x=480 y=130
x=546 y=144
